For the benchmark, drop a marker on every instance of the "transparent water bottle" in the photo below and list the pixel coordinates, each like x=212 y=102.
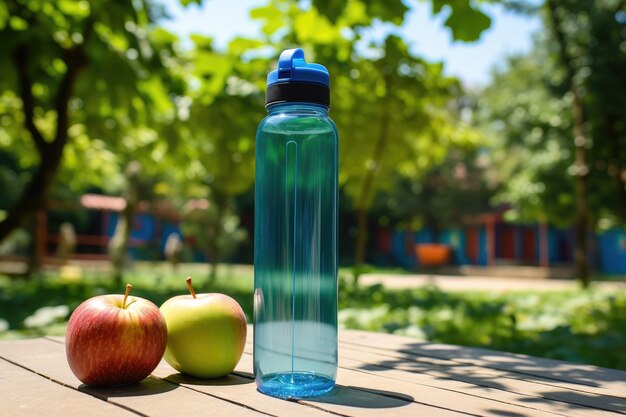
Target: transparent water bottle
x=295 y=234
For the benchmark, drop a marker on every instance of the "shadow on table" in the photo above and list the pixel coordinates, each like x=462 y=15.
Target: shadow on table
x=449 y=357
x=149 y=386
x=575 y=399
x=360 y=397
x=483 y=368
x=504 y=413
x=349 y=395
x=437 y=369
x=230 y=379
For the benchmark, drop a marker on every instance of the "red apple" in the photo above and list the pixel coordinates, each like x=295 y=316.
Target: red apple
x=115 y=340
x=206 y=333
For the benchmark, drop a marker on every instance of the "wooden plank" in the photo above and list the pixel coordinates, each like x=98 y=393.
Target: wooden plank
x=585 y=377
x=353 y=401
x=436 y=396
x=489 y=391
x=483 y=383
x=387 y=367
x=438 y=399
x=47 y=358
x=462 y=395
x=238 y=389
x=25 y=394
x=234 y=388
x=541 y=396
x=343 y=400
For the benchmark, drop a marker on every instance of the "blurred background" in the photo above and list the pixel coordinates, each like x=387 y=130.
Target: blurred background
x=482 y=160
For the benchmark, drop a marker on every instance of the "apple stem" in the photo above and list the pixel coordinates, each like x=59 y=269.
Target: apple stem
x=193 y=293
x=128 y=288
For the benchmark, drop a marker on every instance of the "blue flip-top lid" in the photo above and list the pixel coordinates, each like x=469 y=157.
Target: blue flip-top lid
x=297 y=81
x=292 y=67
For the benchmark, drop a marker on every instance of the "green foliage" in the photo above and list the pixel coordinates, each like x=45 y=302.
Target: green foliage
x=530 y=121
x=580 y=326
x=120 y=99
x=394 y=110
x=188 y=116
x=215 y=231
x=464 y=19
x=222 y=105
x=391 y=11
x=21 y=299
x=529 y=128
x=456 y=187
x=596 y=31
x=392 y=114
x=577 y=326
x=188 y=2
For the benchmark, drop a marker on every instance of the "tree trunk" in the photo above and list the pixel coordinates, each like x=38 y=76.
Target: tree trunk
x=582 y=222
x=213 y=250
x=433 y=224
x=222 y=204
x=33 y=265
x=620 y=172
x=361 y=240
x=582 y=170
x=118 y=246
x=214 y=263
x=50 y=152
x=430 y=218
x=366 y=189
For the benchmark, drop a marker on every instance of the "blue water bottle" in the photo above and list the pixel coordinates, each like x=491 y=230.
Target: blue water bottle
x=295 y=234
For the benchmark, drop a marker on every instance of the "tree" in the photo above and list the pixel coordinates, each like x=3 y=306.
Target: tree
x=587 y=44
x=561 y=100
x=391 y=107
x=118 y=245
x=581 y=168
x=80 y=75
x=223 y=104
x=527 y=124
x=606 y=87
x=216 y=231
x=464 y=18
x=101 y=86
x=410 y=131
x=455 y=188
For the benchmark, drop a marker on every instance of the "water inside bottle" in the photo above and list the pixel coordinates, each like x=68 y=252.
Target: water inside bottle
x=295 y=272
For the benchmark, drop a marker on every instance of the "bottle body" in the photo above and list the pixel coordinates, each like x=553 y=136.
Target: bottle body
x=295 y=252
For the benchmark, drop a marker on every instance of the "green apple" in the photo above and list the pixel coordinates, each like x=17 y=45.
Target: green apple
x=206 y=333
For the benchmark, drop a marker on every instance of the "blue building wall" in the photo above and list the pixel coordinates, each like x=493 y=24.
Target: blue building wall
x=457 y=240
x=611 y=247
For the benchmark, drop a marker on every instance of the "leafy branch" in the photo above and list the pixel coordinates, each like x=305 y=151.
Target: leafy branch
x=50 y=153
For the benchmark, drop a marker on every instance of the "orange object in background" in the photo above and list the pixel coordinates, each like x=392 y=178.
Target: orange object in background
x=432 y=254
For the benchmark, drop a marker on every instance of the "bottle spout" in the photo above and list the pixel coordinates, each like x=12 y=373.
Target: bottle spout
x=292 y=67
x=288 y=60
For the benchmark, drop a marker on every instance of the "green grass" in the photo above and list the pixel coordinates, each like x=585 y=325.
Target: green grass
x=370 y=269
x=21 y=298
x=575 y=325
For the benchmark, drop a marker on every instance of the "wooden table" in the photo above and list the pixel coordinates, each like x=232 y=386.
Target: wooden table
x=380 y=375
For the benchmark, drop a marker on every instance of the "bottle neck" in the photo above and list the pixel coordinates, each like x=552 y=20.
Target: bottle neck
x=296 y=107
